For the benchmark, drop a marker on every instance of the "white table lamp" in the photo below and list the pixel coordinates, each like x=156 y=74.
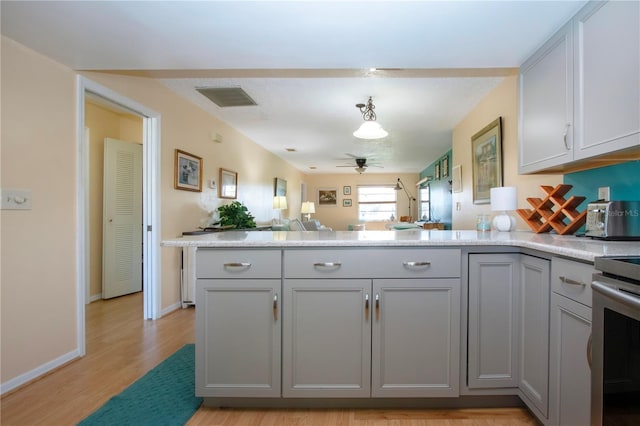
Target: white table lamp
x=280 y=203
x=504 y=199
x=308 y=208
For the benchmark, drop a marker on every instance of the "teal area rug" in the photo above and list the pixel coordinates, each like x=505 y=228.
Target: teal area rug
x=164 y=396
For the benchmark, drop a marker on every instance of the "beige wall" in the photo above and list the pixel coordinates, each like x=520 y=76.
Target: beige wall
x=38 y=246
x=338 y=217
x=38 y=271
x=186 y=127
x=502 y=101
x=102 y=123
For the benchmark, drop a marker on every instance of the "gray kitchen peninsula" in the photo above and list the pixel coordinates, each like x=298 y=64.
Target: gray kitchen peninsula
x=414 y=317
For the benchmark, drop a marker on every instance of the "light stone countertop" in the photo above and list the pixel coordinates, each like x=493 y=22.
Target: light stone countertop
x=569 y=246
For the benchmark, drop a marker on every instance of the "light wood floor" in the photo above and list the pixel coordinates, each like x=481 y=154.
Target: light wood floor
x=121 y=348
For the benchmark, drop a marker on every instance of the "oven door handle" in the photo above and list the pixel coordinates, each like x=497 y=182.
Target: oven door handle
x=617 y=295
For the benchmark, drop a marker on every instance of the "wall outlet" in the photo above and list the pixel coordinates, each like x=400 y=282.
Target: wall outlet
x=603 y=193
x=16 y=199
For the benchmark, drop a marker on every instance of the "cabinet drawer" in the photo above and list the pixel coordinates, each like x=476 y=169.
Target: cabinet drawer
x=572 y=279
x=372 y=263
x=238 y=263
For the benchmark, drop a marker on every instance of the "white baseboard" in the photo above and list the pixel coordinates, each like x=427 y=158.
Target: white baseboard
x=171 y=308
x=95 y=297
x=38 y=371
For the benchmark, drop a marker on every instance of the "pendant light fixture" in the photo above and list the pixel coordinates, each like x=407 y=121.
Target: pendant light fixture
x=370 y=129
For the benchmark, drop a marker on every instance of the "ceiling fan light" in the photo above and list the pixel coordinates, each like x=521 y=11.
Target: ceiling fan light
x=360 y=170
x=370 y=130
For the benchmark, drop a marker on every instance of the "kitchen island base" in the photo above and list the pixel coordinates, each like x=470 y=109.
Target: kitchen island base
x=497 y=401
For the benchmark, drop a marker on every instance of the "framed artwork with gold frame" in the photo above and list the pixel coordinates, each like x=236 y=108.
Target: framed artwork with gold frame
x=188 y=171
x=486 y=157
x=228 y=187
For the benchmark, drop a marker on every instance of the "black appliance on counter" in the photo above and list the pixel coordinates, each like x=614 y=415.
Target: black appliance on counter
x=615 y=350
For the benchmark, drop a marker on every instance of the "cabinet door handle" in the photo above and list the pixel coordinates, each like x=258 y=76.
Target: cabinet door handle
x=275 y=307
x=564 y=136
x=327 y=264
x=572 y=282
x=589 y=355
x=410 y=264
x=377 y=306
x=237 y=265
x=366 y=306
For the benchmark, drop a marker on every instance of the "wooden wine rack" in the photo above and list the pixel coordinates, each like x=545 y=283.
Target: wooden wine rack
x=554 y=211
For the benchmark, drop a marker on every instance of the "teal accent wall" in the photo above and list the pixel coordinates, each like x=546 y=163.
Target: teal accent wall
x=623 y=181
x=440 y=190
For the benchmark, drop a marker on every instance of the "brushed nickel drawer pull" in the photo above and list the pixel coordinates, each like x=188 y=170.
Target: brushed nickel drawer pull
x=237 y=265
x=377 y=306
x=275 y=307
x=572 y=282
x=410 y=264
x=327 y=264
x=589 y=355
x=366 y=306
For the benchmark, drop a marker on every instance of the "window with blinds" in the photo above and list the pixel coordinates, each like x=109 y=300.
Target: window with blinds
x=376 y=203
x=425 y=203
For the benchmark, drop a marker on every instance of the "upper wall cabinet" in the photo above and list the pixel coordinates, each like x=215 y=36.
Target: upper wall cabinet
x=580 y=92
x=546 y=105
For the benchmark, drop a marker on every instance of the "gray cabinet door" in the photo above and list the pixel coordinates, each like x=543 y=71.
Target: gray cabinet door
x=327 y=338
x=607 y=39
x=239 y=335
x=546 y=105
x=493 y=321
x=534 y=282
x=569 y=370
x=416 y=337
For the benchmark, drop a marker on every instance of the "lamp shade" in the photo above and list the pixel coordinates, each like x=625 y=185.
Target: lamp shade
x=308 y=207
x=504 y=198
x=370 y=130
x=280 y=202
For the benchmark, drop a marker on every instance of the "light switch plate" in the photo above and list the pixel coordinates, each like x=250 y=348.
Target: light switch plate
x=16 y=199
x=603 y=193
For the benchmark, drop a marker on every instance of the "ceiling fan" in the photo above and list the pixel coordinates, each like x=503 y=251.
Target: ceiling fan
x=361 y=164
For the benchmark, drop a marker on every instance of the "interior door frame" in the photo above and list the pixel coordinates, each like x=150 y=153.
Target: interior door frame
x=151 y=121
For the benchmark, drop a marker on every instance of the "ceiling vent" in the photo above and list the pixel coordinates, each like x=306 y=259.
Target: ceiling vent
x=227 y=96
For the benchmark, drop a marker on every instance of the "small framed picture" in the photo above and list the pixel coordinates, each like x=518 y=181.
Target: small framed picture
x=188 y=171
x=445 y=167
x=456 y=182
x=346 y=190
x=346 y=202
x=437 y=171
x=327 y=197
x=280 y=187
x=228 y=186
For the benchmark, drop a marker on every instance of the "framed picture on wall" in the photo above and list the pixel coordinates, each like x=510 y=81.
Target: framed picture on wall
x=346 y=190
x=280 y=187
x=437 y=171
x=445 y=167
x=346 y=202
x=327 y=197
x=486 y=157
x=228 y=187
x=456 y=181
x=188 y=171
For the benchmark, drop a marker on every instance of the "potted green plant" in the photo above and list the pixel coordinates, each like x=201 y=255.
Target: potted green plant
x=237 y=215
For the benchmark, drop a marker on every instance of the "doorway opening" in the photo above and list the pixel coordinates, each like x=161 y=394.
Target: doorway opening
x=150 y=200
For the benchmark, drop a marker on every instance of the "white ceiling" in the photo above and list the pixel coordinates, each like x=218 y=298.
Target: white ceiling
x=307 y=63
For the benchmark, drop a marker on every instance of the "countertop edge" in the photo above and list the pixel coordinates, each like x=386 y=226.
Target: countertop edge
x=567 y=246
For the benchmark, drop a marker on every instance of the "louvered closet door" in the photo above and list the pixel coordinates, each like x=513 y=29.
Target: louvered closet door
x=122 y=219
